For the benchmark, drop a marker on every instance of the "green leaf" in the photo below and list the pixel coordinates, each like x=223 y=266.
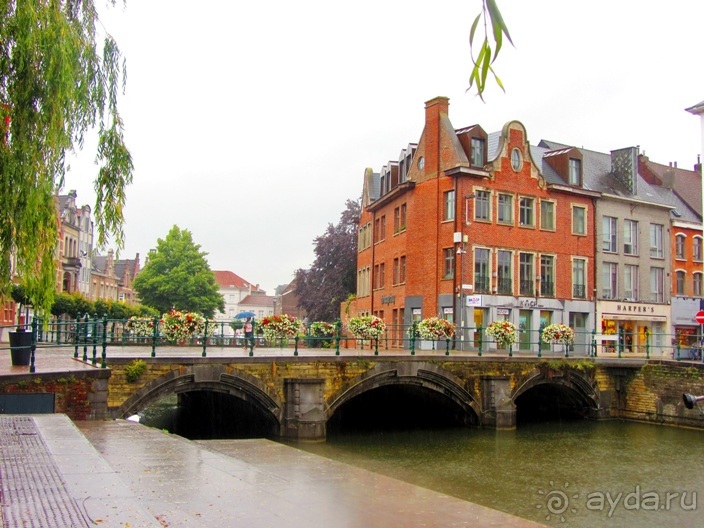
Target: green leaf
x=497 y=21
x=474 y=28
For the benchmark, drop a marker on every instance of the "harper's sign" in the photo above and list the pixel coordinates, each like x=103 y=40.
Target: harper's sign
x=389 y=299
x=635 y=308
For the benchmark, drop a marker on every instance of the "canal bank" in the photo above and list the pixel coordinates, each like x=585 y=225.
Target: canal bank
x=118 y=474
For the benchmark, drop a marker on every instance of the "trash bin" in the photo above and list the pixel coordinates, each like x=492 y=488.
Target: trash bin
x=20 y=347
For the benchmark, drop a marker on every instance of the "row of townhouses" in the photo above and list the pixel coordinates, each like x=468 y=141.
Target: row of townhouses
x=80 y=269
x=477 y=227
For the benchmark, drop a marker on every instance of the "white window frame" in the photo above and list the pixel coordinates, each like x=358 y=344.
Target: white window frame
x=609 y=240
x=630 y=237
x=630 y=282
x=656 y=243
x=551 y=216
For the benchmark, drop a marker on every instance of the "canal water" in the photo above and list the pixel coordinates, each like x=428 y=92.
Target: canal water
x=577 y=473
x=561 y=473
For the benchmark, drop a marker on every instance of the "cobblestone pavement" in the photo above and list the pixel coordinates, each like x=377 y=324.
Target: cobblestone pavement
x=33 y=490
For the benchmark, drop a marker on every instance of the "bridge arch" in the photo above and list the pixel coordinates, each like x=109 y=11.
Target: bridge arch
x=204 y=378
x=582 y=389
x=418 y=374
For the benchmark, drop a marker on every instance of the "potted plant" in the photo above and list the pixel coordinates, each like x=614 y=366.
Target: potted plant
x=434 y=329
x=504 y=333
x=366 y=327
x=558 y=333
x=281 y=327
x=20 y=339
x=320 y=335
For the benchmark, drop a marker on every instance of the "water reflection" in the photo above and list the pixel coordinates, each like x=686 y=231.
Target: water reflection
x=584 y=472
x=205 y=415
x=519 y=472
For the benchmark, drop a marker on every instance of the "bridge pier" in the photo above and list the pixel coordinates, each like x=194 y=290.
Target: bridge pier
x=499 y=409
x=304 y=410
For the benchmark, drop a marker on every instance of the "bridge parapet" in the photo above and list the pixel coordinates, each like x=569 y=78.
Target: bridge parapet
x=303 y=393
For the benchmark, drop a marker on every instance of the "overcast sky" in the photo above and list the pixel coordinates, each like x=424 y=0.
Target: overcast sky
x=251 y=123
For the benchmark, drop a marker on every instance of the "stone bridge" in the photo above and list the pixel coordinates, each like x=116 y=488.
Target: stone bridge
x=300 y=394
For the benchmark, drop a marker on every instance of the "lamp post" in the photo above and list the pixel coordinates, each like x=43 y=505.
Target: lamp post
x=461 y=240
x=461 y=251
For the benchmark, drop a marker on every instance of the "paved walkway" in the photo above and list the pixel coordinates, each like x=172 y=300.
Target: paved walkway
x=122 y=474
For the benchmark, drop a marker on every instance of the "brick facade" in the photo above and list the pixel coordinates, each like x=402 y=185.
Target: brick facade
x=438 y=191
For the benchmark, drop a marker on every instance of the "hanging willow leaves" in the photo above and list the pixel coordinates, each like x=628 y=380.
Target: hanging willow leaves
x=56 y=85
x=486 y=57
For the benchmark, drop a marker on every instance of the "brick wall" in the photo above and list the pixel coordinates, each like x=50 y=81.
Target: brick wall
x=80 y=395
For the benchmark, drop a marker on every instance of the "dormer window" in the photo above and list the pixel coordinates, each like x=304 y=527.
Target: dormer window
x=575 y=172
x=478 y=149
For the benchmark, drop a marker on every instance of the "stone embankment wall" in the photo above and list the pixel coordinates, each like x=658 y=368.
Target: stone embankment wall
x=82 y=395
x=653 y=393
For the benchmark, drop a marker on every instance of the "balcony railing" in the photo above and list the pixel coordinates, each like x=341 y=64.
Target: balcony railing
x=482 y=284
x=547 y=289
x=527 y=287
x=505 y=287
x=579 y=291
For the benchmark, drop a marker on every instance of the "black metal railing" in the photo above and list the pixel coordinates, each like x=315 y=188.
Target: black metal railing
x=482 y=284
x=547 y=289
x=504 y=287
x=90 y=337
x=526 y=287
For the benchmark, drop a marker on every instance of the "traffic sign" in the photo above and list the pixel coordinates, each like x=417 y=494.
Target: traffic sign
x=700 y=317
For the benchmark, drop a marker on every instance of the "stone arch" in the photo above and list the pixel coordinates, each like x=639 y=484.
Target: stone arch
x=582 y=387
x=204 y=378
x=419 y=374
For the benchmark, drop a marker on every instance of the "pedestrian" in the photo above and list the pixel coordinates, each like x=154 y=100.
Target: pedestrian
x=248 y=333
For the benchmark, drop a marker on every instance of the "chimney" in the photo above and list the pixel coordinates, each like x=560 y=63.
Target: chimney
x=624 y=167
x=435 y=109
x=698 y=164
x=668 y=177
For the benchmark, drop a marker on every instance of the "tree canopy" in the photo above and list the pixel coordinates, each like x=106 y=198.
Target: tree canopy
x=332 y=277
x=177 y=275
x=56 y=85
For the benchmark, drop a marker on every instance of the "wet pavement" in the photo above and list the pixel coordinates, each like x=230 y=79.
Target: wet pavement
x=55 y=473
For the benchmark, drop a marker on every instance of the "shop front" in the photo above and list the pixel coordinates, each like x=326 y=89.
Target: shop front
x=684 y=325
x=635 y=327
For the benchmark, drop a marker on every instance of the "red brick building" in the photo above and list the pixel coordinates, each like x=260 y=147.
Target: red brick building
x=474 y=228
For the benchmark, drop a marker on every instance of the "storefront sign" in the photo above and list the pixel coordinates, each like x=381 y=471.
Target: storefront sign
x=474 y=300
x=389 y=299
x=635 y=308
x=503 y=311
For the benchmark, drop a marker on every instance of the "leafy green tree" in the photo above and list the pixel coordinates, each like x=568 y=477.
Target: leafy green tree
x=56 y=85
x=63 y=304
x=101 y=307
x=178 y=276
x=120 y=310
x=332 y=277
x=72 y=304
